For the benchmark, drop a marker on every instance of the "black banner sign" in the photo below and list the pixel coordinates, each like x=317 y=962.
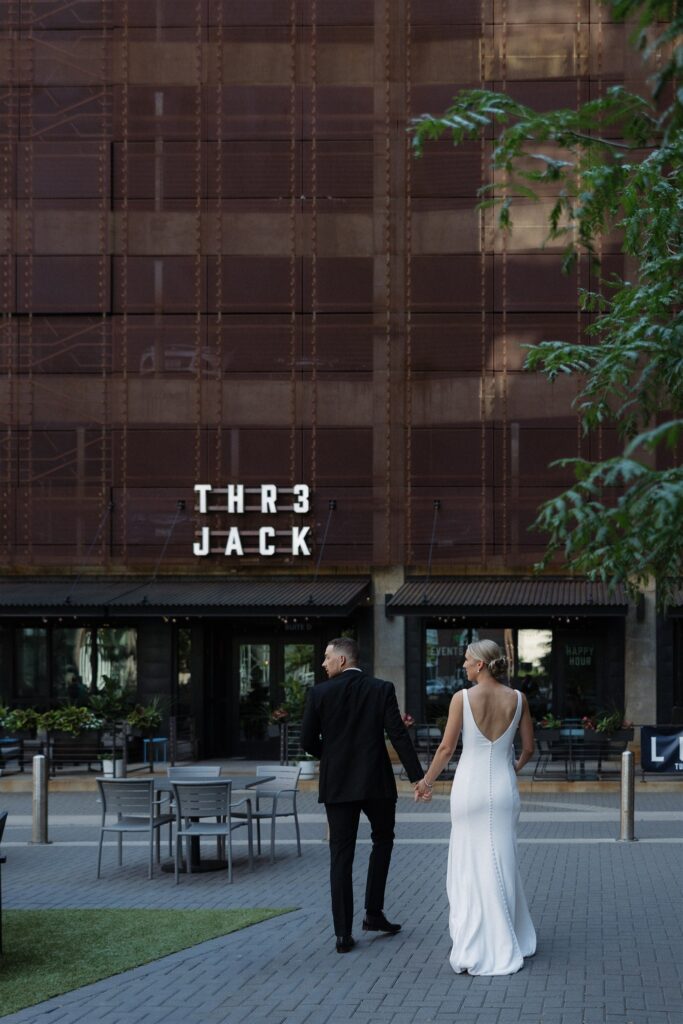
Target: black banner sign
x=661 y=748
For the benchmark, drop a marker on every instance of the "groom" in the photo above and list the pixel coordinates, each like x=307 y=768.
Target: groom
x=344 y=725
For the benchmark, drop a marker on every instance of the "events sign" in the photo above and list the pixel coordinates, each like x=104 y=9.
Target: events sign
x=661 y=748
x=250 y=520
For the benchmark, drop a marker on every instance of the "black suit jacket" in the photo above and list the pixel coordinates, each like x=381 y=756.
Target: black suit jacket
x=344 y=724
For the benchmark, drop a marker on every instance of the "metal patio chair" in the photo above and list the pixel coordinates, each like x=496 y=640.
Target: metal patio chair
x=196 y=801
x=281 y=792
x=134 y=804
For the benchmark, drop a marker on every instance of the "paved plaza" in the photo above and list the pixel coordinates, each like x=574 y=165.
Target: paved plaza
x=609 y=918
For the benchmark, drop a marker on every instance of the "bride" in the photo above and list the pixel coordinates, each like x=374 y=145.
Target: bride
x=489 y=919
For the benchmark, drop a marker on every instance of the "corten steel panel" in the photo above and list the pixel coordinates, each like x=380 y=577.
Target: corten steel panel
x=510 y=337
x=260 y=168
x=85 y=15
x=350 y=522
x=534 y=282
x=259 y=455
x=63 y=57
x=162 y=346
x=459 y=525
x=338 y=12
x=448 y=343
x=443 y=225
x=342 y=284
x=447 y=12
x=159 y=284
x=143 y=513
x=251 y=284
x=255 y=346
x=63 y=169
x=248 y=112
x=538 y=446
x=605 y=443
x=343 y=344
x=70 y=113
x=163 y=169
x=62 y=284
x=243 y=455
x=343 y=455
x=534 y=12
x=57 y=456
x=436 y=97
x=514 y=515
x=449 y=283
x=343 y=111
x=546 y=94
x=344 y=168
x=60 y=522
x=446 y=170
x=158 y=456
x=451 y=456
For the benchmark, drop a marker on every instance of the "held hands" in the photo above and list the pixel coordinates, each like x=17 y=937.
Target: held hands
x=422 y=791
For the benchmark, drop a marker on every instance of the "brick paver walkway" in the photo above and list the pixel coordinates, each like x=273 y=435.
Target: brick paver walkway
x=609 y=919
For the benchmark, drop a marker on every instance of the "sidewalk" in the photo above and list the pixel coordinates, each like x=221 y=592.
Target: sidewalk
x=608 y=917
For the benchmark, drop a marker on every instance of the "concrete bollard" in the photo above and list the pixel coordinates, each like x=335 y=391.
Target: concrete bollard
x=628 y=783
x=39 y=834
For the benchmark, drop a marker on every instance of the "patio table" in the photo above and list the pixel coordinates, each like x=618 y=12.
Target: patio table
x=239 y=783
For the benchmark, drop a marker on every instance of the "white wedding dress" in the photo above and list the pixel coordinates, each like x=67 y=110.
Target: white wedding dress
x=489 y=918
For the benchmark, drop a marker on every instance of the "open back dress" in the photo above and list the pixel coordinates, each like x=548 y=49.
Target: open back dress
x=489 y=920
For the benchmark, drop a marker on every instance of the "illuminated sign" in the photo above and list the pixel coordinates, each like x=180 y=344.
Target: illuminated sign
x=265 y=500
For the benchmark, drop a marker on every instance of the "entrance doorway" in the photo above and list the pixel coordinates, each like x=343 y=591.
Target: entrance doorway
x=269 y=671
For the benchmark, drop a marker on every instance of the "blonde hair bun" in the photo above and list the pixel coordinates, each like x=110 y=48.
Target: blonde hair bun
x=490 y=653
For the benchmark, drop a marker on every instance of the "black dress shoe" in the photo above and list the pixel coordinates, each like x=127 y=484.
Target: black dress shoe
x=345 y=943
x=379 y=923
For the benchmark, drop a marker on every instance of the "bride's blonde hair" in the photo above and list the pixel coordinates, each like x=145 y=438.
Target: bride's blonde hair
x=490 y=653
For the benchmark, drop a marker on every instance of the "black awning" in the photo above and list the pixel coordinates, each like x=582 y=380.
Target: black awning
x=505 y=596
x=239 y=596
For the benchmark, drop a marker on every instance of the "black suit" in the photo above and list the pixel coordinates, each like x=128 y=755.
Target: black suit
x=344 y=724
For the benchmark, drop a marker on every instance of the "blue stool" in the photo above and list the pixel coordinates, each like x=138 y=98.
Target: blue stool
x=159 y=750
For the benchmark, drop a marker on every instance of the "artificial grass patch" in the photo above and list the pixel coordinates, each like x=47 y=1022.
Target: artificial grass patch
x=48 y=952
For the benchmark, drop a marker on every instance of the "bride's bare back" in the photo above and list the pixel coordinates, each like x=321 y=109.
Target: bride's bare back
x=493 y=707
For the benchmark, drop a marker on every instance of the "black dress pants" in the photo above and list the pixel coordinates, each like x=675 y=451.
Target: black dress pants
x=343 y=821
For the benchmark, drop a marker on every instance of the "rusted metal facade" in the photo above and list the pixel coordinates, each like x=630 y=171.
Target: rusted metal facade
x=220 y=262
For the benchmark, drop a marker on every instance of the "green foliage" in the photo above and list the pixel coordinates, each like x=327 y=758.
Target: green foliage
x=69 y=718
x=619 y=170
x=295 y=698
x=145 y=716
x=20 y=719
x=113 y=703
x=549 y=721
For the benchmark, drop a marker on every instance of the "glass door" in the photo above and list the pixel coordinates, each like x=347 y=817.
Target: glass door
x=272 y=672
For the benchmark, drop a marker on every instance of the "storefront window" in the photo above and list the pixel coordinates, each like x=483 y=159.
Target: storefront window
x=72 y=664
x=529 y=655
x=254 y=667
x=117 y=656
x=31 y=677
x=299 y=664
x=444 y=674
x=184 y=680
x=580 y=674
x=534 y=678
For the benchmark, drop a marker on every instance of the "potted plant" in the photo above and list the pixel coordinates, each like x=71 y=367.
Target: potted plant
x=112 y=763
x=307 y=763
x=112 y=705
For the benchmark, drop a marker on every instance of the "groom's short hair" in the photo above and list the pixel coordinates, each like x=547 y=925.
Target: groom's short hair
x=346 y=646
